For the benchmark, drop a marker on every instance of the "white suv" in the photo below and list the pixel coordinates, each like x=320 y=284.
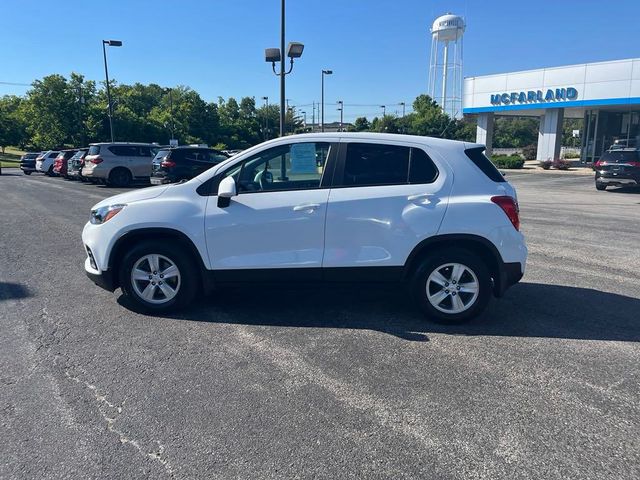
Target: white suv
x=118 y=164
x=44 y=161
x=435 y=214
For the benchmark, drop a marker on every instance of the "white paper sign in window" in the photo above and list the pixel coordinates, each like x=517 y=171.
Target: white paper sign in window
x=303 y=158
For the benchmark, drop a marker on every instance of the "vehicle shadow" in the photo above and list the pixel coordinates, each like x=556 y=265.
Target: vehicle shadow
x=10 y=291
x=527 y=310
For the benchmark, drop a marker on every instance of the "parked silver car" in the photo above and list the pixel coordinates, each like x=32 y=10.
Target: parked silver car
x=118 y=164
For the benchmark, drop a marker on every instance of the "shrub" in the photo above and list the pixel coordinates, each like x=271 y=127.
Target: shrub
x=561 y=164
x=545 y=164
x=529 y=152
x=507 y=161
x=571 y=154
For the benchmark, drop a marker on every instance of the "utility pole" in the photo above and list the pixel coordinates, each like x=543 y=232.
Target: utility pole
x=313 y=115
x=341 y=109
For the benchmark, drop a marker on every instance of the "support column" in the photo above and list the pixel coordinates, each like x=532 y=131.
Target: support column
x=550 y=134
x=484 y=131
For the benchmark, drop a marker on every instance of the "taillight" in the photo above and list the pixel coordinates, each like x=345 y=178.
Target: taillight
x=599 y=163
x=634 y=164
x=510 y=207
x=96 y=160
x=167 y=164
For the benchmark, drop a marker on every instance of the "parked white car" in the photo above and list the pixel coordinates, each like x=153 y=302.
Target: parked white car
x=435 y=214
x=44 y=162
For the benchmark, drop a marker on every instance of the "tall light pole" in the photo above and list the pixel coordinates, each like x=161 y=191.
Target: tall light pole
x=304 y=114
x=403 y=105
x=266 y=118
x=169 y=90
x=313 y=116
x=111 y=43
x=324 y=72
x=384 y=110
x=341 y=109
x=273 y=55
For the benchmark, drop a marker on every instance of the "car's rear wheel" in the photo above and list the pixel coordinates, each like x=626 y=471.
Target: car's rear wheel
x=119 y=177
x=452 y=286
x=158 y=277
x=50 y=171
x=26 y=172
x=601 y=186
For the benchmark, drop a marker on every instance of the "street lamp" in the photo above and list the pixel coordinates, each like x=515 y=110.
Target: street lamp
x=273 y=55
x=266 y=117
x=384 y=110
x=169 y=90
x=403 y=105
x=111 y=43
x=324 y=72
x=341 y=109
x=304 y=114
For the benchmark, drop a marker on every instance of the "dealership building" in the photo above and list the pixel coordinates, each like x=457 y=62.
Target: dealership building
x=605 y=94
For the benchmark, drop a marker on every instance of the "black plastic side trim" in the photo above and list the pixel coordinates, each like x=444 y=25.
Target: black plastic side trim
x=294 y=275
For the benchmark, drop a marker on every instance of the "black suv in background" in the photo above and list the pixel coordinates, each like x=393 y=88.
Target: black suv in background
x=75 y=164
x=182 y=163
x=620 y=167
x=28 y=162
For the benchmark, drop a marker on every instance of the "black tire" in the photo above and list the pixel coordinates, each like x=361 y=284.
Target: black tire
x=119 y=177
x=438 y=259
x=188 y=286
x=26 y=172
x=601 y=186
x=50 y=171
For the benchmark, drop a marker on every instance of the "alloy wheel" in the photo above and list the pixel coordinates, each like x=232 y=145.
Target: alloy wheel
x=155 y=279
x=452 y=288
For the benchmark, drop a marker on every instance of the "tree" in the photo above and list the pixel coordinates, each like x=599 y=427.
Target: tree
x=361 y=124
x=12 y=127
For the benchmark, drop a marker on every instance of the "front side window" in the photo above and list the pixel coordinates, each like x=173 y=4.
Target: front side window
x=298 y=166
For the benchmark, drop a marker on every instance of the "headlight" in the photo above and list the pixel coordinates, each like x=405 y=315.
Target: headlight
x=104 y=214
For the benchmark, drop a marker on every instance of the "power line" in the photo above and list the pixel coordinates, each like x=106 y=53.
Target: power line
x=16 y=84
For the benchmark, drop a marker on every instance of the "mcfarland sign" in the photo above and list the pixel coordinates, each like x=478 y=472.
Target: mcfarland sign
x=534 y=96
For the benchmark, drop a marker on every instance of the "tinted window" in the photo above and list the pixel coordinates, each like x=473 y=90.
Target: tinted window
x=477 y=156
x=217 y=157
x=94 y=150
x=53 y=154
x=421 y=169
x=145 y=152
x=124 y=150
x=619 y=156
x=161 y=155
x=369 y=164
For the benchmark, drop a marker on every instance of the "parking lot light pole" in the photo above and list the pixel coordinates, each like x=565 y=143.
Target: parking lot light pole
x=341 y=110
x=384 y=110
x=273 y=55
x=324 y=72
x=111 y=43
x=304 y=114
x=169 y=90
x=266 y=118
x=403 y=105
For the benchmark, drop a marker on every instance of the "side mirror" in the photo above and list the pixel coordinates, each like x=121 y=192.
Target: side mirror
x=226 y=190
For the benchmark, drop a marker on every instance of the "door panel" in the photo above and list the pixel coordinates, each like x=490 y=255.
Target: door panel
x=267 y=230
x=380 y=225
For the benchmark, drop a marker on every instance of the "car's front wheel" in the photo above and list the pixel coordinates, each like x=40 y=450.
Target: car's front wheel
x=452 y=286
x=157 y=277
x=601 y=186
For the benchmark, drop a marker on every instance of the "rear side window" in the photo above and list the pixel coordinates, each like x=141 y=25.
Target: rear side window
x=94 y=150
x=125 y=150
x=480 y=160
x=421 y=167
x=369 y=164
x=161 y=154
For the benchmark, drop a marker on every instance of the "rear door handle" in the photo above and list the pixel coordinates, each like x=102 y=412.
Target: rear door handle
x=423 y=197
x=307 y=207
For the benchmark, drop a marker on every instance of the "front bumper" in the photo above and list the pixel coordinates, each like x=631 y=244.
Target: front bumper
x=104 y=279
x=25 y=168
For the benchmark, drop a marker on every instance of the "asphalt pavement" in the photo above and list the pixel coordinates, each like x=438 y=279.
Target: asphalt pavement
x=335 y=382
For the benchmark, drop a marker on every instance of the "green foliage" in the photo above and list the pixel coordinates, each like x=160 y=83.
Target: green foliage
x=11 y=125
x=515 y=132
x=530 y=152
x=361 y=124
x=507 y=161
x=572 y=155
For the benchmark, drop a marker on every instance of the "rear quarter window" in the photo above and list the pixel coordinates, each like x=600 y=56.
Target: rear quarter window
x=480 y=160
x=94 y=150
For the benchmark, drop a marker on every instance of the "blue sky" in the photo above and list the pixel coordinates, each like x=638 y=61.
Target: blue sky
x=377 y=49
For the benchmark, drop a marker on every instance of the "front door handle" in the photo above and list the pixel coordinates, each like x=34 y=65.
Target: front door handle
x=422 y=197
x=306 y=207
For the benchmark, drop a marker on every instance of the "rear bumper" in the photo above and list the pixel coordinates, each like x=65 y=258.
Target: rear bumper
x=510 y=274
x=618 y=180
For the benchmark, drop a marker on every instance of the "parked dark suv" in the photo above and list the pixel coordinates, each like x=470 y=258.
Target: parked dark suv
x=75 y=164
x=619 y=167
x=180 y=163
x=28 y=162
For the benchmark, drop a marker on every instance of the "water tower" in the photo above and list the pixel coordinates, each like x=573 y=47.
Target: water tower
x=445 y=63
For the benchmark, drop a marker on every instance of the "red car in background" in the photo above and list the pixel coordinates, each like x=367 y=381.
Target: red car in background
x=60 y=163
